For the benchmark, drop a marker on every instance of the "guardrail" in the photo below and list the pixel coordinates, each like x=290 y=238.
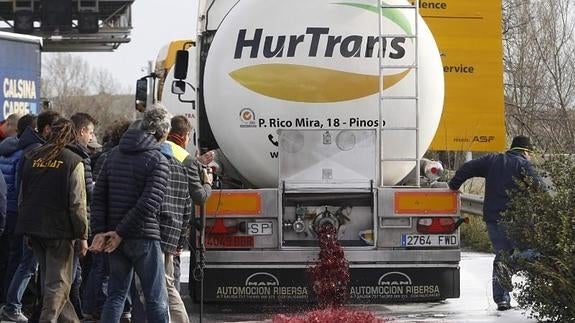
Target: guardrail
x=472 y=204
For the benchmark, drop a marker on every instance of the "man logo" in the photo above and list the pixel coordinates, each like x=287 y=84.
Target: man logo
x=394 y=278
x=262 y=279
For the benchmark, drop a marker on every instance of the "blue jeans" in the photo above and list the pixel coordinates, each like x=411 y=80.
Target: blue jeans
x=10 y=255
x=146 y=258
x=74 y=296
x=501 y=244
x=26 y=269
x=95 y=291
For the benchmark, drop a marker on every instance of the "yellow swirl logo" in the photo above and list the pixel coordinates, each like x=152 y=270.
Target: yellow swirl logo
x=310 y=84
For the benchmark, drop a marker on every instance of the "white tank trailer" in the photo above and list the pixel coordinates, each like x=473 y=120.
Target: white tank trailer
x=321 y=108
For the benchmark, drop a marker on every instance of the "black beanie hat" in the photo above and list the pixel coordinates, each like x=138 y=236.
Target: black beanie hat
x=521 y=143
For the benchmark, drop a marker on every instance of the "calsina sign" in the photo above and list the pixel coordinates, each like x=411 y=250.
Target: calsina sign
x=315 y=64
x=19 y=74
x=19 y=96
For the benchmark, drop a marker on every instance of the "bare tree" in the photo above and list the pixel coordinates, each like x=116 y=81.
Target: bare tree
x=73 y=86
x=539 y=71
x=65 y=79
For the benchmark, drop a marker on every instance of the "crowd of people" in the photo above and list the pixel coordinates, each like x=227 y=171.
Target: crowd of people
x=101 y=227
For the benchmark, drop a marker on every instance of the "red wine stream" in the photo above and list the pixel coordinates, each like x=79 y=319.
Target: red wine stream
x=330 y=278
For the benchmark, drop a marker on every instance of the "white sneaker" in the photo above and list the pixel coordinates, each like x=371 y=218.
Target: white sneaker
x=13 y=317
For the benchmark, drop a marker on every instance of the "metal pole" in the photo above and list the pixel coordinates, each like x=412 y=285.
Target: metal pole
x=202 y=257
x=151 y=85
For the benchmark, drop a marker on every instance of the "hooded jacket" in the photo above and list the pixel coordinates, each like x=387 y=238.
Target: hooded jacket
x=11 y=151
x=10 y=155
x=130 y=188
x=2 y=204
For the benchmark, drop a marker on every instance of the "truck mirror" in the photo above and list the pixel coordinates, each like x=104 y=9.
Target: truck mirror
x=181 y=66
x=141 y=94
x=179 y=87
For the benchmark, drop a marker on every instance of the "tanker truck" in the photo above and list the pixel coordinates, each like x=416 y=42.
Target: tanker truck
x=19 y=73
x=320 y=113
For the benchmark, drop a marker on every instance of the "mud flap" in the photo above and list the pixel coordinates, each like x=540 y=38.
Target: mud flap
x=368 y=285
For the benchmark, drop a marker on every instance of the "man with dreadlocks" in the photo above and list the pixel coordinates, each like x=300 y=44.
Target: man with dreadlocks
x=52 y=214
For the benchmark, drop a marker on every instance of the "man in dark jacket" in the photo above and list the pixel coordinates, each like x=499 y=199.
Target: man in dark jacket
x=94 y=296
x=501 y=171
x=2 y=204
x=84 y=124
x=52 y=214
x=3 y=191
x=124 y=216
x=27 y=141
x=11 y=150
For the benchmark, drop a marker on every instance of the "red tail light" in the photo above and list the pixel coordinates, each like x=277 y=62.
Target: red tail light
x=222 y=235
x=220 y=228
x=436 y=225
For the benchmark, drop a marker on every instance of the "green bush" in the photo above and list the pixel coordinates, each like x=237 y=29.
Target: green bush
x=544 y=221
x=474 y=234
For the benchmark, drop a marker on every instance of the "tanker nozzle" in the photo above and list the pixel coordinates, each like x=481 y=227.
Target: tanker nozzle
x=325 y=218
x=299 y=225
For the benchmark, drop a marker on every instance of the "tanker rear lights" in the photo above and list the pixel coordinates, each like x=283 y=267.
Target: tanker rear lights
x=220 y=228
x=436 y=225
x=439 y=225
x=223 y=234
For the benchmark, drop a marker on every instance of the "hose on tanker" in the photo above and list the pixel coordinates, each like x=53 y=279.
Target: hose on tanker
x=198 y=259
x=198 y=271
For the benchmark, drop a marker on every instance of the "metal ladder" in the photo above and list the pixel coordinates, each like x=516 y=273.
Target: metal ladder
x=387 y=103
